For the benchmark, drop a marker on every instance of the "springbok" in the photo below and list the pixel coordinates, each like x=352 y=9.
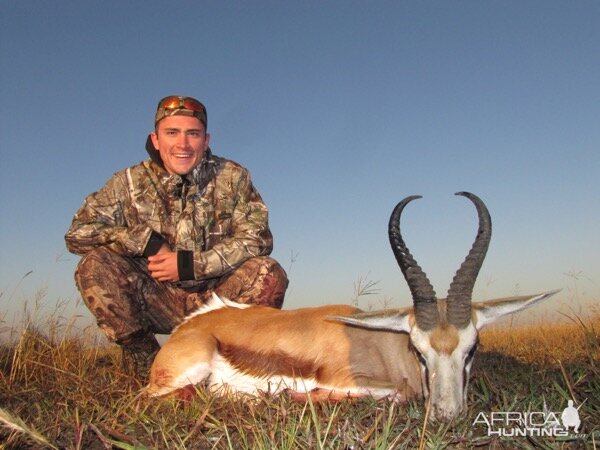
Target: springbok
x=338 y=351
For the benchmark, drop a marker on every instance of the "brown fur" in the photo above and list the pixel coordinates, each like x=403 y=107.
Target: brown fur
x=444 y=339
x=301 y=343
x=259 y=364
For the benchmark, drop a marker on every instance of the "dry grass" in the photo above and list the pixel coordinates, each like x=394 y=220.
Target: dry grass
x=56 y=391
x=545 y=343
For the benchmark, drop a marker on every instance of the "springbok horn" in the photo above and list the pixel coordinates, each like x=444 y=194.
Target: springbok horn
x=461 y=288
x=424 y=300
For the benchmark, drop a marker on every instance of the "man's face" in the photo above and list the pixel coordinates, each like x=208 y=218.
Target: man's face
x=181 y=142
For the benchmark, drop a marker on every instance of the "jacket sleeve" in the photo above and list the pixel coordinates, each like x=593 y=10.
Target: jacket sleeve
x=101 y=221
x=250 y=234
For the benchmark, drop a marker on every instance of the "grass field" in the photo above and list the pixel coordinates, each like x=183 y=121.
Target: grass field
x=57 y=390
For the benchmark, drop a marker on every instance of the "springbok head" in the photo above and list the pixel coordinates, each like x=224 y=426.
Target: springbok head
x=443 y=333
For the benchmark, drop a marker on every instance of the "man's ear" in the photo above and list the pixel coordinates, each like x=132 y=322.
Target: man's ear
x=154 y=139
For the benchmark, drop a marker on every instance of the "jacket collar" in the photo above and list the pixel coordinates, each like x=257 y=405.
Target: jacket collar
x=199 y=176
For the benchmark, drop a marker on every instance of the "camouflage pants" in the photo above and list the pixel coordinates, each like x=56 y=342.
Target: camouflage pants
x=126 y=300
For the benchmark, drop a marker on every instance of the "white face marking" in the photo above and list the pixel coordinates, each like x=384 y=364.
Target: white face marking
x=444 y=373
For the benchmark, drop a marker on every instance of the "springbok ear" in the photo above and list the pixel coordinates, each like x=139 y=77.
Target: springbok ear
x=485 y=313
x=389 y=320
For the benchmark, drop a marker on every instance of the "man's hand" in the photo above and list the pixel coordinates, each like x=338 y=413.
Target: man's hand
x=163 y=265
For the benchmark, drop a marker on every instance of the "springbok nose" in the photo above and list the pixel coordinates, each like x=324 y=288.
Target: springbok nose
x=445 y=413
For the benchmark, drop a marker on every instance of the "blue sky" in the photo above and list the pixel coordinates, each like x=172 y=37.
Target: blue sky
x=339 y=109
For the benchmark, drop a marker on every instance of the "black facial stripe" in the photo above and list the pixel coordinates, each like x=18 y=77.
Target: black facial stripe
x=420 y=357
x=471 y=353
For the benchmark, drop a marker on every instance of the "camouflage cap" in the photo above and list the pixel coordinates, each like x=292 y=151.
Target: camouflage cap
x=174 y=105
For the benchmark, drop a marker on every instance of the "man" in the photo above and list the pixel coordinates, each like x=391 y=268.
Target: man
x=159 y=237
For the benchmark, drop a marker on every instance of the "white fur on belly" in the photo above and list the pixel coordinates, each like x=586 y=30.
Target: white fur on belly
x=225 y=376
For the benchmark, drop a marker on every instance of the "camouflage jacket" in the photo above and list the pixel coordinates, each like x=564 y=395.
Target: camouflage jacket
x=213 y=217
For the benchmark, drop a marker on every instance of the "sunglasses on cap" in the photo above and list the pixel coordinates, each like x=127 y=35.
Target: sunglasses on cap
x=178 y=102
x=169 y=106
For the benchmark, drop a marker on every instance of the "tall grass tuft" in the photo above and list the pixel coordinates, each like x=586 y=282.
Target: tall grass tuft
x=59 y=389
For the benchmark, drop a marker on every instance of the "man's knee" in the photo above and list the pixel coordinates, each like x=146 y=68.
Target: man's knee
x=274 y=283
x=110 y=286
x=96 y=264
x=260 y=280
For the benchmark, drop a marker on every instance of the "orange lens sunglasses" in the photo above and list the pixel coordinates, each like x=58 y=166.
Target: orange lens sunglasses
x=176 y=102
